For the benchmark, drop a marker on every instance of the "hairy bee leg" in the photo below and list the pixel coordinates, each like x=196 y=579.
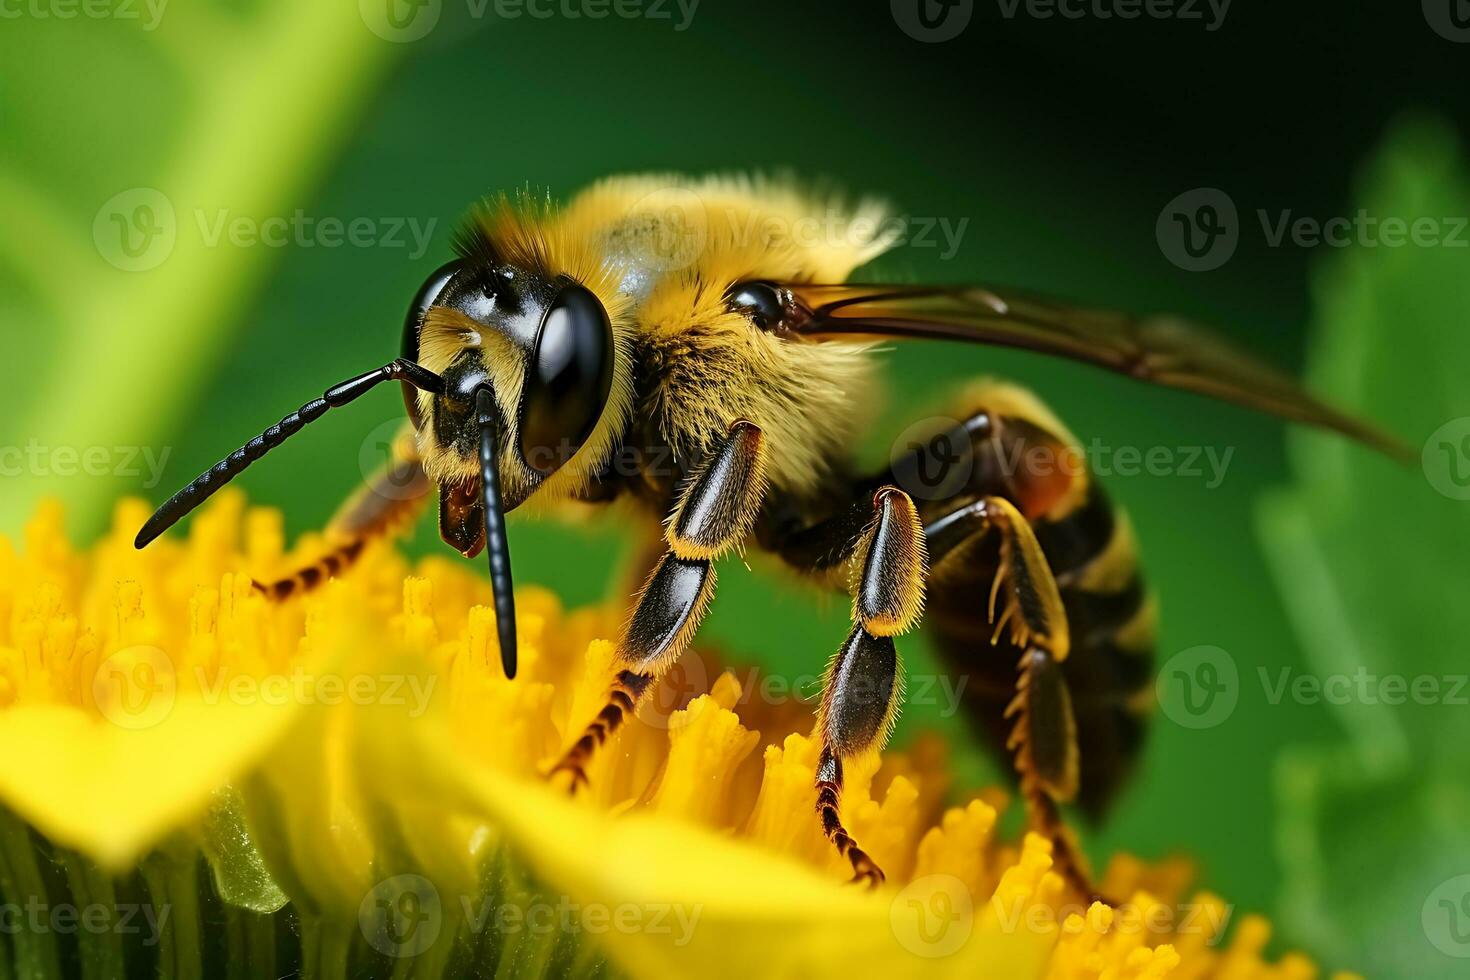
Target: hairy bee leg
x=626 y=690
x=1024 y=596
x=1089 y=548
x=1044 y=747
x=861 y=691
x=1043 y=737
x=393 y=497
x=829 y=799
x=714 y=513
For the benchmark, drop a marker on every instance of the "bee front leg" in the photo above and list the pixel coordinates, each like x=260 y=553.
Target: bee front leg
x=714 y=513
x=861 y=691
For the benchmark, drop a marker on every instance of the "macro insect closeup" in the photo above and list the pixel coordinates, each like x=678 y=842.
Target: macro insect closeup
x=640 y=346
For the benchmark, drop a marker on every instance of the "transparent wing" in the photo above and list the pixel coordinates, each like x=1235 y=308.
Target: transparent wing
x=1159 y=350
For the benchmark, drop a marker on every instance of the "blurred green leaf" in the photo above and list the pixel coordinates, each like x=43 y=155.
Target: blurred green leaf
x=122 y=296
x=1372 y=832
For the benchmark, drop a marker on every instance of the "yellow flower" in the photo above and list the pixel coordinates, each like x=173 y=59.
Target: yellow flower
x=200 y=783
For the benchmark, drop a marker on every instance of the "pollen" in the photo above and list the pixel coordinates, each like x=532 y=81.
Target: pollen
x=289 y=778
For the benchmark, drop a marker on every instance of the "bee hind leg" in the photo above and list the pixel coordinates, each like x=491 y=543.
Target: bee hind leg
x=1025 y=600
x=390 y=499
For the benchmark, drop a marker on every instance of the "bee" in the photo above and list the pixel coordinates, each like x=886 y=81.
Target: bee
x=695 y=346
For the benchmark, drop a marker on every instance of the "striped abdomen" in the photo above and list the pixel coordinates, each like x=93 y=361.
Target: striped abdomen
x=1090 y=548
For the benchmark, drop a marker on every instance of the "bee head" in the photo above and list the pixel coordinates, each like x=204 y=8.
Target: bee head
x=527 y=363
x=544 y=349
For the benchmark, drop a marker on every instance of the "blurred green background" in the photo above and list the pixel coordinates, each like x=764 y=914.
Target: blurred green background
x=134 y=136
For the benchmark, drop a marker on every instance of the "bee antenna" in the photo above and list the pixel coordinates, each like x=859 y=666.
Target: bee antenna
x=497 y=548
x=210 y=481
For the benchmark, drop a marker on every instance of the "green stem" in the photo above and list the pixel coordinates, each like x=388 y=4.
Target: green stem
x=251 y=944
x=326 y=949
x=101 y=951
x=172 y=874
x=21 y=884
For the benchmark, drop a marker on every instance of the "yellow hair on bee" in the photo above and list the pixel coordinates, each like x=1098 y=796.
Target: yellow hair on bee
x=713 y=365
x=530 y=234
x=659 y=251
x=782 y=229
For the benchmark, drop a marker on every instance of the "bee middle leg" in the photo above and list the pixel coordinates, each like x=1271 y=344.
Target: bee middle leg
x=861 y=691
x=714 y=513
x=390 y=499
x=957 y=513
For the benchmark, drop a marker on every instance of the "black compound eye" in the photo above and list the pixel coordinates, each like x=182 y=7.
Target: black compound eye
x=764 y=302
x=570 y=376
x=413 y=324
